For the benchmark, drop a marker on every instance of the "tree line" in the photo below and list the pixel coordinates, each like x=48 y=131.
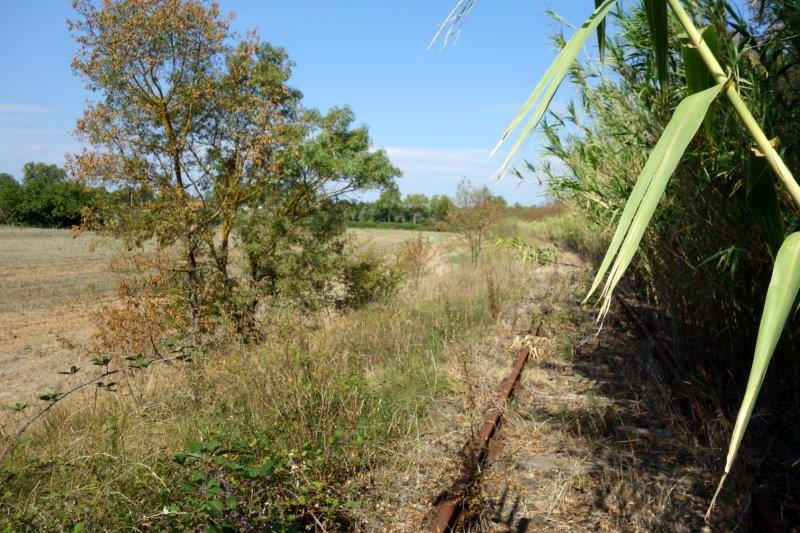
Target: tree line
x=434 y=211
x=45 y=197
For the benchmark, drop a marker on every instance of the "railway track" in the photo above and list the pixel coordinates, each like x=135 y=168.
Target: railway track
x=450 y=504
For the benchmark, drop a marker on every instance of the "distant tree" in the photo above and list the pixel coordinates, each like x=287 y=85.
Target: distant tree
x=42 y=173
x=441 y=206
x=45 y=198
x=416 y=207
x=500 y=201
x=10 y=191
x=388 y=206
x=476 y=211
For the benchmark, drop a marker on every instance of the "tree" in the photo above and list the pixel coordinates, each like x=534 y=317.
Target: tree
x=417 y=207
x=475 y=212
x=293 y=234
x=204 y=124
x=9 y=198
x=441 y=204
x=387 y=208
x=46 y=198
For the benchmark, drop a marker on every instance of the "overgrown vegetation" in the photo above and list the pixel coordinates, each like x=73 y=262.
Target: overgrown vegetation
x=205 y=122
x=256 y=359
x=723 y=260
x=475 y=213
x=722 y=238
x=255 y=437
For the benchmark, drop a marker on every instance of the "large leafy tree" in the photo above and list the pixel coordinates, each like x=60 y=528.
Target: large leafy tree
x=205 y=124
x=293 y=233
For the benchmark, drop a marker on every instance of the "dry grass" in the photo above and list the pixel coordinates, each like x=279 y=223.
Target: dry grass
x=51 y=281
x=365 y=413
x=590 y=442
x=388 y=240
x=326 y=397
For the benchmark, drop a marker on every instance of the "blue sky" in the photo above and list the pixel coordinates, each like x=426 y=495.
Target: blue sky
x=437 y=113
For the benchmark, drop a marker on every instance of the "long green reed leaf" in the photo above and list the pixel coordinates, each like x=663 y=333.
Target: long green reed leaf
x=601 y=32
x=543 y=92
x=658 y=22
x=649 y=188
x=698 y=77
x=781 y=295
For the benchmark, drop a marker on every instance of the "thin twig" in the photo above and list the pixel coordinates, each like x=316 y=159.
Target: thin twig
x=14 y=440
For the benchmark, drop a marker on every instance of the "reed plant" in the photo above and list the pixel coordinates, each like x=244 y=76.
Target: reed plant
x=711 y=97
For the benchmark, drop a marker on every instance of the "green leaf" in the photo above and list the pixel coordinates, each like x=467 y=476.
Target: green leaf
x=196 y=447
x=230 y=502
x=762 y=203
x=50 y=397
x=781 y=295
x=601 y=32
x=658 y=23
x=543 y=92
x=215 y=506
x=649 y=188
x=101 y=361
x=698 y=77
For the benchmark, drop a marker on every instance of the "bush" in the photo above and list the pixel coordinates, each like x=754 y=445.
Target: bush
x=367 y=278
x=267 y=435
x=392 y=225
x=413 y=257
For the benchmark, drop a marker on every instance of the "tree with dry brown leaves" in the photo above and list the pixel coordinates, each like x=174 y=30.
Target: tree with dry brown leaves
x=205 y=123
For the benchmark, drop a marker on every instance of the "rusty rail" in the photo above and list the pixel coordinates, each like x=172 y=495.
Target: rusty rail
x=474 y=452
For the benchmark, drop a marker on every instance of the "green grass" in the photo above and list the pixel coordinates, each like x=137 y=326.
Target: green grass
x=393 y=225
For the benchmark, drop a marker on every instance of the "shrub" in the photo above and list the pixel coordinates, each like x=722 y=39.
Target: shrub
x=413 y=257
x=367 y=278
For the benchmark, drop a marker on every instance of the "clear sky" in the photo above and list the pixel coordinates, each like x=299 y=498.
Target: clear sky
x=437 y=113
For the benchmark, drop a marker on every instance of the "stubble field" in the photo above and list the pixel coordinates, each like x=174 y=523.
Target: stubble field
x=50 y=283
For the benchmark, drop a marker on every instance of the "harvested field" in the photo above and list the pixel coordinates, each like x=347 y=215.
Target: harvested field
x=49 y=283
